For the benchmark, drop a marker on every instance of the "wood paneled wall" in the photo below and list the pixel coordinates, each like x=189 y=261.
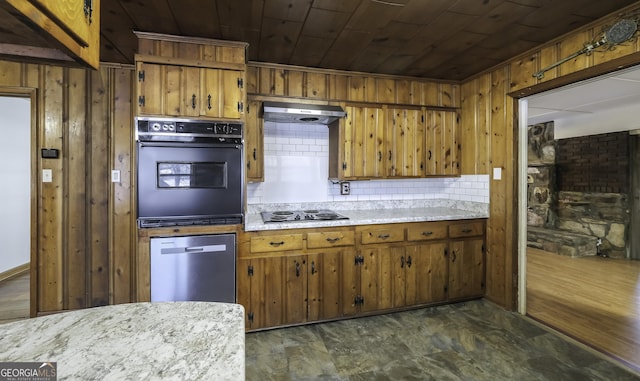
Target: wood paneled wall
x=489 y=135
x=272 y=80
x=84 y=236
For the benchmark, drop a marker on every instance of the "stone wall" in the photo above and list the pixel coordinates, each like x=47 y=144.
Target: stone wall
x=541 y=176
x=590 y=202
x=601 y=215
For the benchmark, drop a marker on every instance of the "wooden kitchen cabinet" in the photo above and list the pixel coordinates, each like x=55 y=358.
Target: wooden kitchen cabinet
x=324 y=273
x=303 y=275
x=373 y=276
x=273 y=290
x=425 y=275
x=386 y=141
x=254 y=142
x=188 y=91
x=73 y=24
x=405 y=142
x=283 y=281
x=357 y=144
x=466 y=260
x=442 y=149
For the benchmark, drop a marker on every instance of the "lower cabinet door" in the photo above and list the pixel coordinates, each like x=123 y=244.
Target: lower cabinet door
x=376 y=281
x=273 y=290
x=466 y=268
x=295 y=281
x=324 y=271
x=350 y=285
x=426 y=273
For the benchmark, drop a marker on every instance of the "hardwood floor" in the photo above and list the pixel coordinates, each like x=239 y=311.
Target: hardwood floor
x=592 y=299
x=14 y=299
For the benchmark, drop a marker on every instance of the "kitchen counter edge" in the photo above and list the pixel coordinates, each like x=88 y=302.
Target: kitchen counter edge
x=253 y=222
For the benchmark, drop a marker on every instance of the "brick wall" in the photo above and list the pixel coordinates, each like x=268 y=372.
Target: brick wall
x=596 y=163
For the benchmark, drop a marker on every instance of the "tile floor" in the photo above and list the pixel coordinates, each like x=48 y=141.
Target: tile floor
x=466 y=341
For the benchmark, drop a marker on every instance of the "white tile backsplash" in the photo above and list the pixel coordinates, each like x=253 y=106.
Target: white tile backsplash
x=297 y=168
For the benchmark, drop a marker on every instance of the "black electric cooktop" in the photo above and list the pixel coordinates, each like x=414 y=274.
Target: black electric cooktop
x=302 y=215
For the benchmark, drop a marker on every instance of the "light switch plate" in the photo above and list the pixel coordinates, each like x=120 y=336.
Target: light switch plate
x=497 y=173
x=115 y=176
x=47 y=176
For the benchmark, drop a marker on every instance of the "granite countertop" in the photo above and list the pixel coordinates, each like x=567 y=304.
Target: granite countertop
x=138 y=341
x=376 y=213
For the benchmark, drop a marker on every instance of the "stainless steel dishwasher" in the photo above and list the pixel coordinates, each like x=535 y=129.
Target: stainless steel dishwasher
x=194 y=268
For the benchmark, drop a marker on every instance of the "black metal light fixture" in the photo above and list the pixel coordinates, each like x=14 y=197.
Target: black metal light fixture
x=618 y=33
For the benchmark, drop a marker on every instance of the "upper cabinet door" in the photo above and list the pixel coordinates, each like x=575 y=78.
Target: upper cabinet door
x=363 y=143
x=405 y=142
x=73 y=24
x=232 y=94
x=74 y=16
x=150 y=86
x=442 y=146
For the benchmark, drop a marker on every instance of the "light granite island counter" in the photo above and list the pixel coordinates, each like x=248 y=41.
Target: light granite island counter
x=138 y=341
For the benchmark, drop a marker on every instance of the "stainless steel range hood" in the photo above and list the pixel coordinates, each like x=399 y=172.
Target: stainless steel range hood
x=284 y=112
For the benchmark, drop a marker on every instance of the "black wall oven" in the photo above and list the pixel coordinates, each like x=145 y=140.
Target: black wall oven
x=190 y=172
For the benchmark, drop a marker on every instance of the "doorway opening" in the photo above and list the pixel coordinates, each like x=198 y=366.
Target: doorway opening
x=590 y=298
x=16 y=205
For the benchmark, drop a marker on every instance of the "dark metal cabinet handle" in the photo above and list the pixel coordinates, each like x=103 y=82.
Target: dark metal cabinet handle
x=297 y=269
x=466 y=230
x=409 y=261
x=313 y=267
x=402 y=262
x=426 y=234
x=333 y=240
x=379 y=156
x=383 y=236
x=276 y=243
x=389 y=154
x=88 y=10
x=453 y=256
x=254 y=154
x=209 y=101
x=429 y=157
x=193 y=101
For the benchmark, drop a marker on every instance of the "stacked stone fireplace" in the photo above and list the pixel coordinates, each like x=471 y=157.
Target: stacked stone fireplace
x=578 y=193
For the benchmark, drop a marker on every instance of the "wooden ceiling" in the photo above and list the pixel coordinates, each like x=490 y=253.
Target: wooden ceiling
x=440 y=39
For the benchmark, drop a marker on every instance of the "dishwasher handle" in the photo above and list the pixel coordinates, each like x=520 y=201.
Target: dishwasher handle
x=193 y=249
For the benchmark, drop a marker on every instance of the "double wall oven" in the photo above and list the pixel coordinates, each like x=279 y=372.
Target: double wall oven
x=190 y=172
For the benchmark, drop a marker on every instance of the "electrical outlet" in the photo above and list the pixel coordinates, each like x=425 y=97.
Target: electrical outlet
x=345 y=187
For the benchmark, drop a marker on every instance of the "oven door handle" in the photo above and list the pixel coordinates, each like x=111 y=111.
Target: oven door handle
x=190 y=145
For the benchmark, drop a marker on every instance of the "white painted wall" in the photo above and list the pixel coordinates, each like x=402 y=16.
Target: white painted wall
x=297 y=167
x=15 y=172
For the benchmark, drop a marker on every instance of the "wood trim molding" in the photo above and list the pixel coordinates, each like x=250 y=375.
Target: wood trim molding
x=191 y=40
x=14 y=272
x=189 y=62
x=306 y=69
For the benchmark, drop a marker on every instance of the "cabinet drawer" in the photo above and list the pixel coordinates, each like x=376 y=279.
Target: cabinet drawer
x=427 y=231
x=381 y=235
x=468 y=229
x=330 y=239
x=283 y=242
